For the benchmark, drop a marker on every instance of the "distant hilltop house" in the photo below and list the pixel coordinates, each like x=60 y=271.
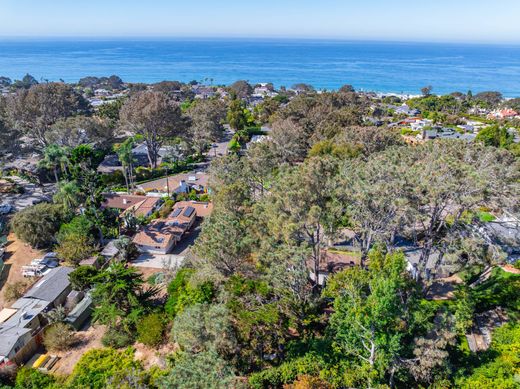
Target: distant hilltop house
x=22 y=325
x=404 y=110
x=179 y=183
x=445 y=133
x=112 y=164
x=503 y=114
x=264 y=90
x=140 y=206
x=258 y=139
x=161 y=235
x=203 y=92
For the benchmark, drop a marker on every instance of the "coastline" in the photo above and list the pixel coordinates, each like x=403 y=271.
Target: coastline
x=401 y=68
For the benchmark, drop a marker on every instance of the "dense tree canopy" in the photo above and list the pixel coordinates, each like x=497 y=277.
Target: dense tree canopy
x=156 y=117
x=36 y=225
x=38 y=108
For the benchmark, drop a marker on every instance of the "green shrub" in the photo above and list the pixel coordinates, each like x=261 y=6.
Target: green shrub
x=15 y=290
x=79 y=225
x=37 y=225
x=82 y=278
x=497 y=367
x=501 y=289
x=287 y=372
x=116 y=338
x=150 y=329
x=166 y=209
x=58 y=337
x=182 y=294
x=409 y=132
x=485 y=217
x=102 y=368
x=29 y=378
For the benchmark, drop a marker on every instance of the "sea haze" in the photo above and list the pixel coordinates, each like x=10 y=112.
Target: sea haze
x=374 y=66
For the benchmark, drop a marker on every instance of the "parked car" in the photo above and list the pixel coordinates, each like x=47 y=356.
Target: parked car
x=33 y=270
x=47 y=262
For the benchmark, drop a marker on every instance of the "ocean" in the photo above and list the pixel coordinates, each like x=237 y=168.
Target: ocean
x=326 y=64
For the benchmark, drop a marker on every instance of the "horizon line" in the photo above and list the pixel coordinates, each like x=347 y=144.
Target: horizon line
x=250 y=38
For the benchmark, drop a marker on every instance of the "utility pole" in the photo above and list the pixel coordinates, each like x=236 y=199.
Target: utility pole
x=167 y=181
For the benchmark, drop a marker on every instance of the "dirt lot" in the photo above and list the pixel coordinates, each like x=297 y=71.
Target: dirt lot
x=17 y=255
x=88 y=338
x=153 y=356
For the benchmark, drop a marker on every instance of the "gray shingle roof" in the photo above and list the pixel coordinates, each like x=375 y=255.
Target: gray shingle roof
x=51 y=285
x=9 y=338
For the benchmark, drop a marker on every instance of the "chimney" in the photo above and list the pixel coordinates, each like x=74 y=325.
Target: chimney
x=125 y=201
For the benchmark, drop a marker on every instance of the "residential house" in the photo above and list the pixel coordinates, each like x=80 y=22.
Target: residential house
x=203 y=92
x=161 y=235
x=503 y=114
x=53 y=288
x=258 y=139
x=140 y=206
x=504 y=232
x=179 y=183
x=332 y=262
x=445 y=133
x=406 y=110
x=112 y=164
x=264 y=90
x=21 y=325
x=419 y=124
x=105 y=256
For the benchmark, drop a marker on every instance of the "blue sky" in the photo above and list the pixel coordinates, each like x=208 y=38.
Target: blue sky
x=493 y=21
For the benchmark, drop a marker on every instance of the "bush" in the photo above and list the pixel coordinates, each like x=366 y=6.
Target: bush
x=79 y=225
x=181 y=294
x=102 y=368
x=28 y=378
x=58 y=337
x=82 y=278
x=74 y=248
x=38 y=224
x=287 y=372
x=14 y=290
x=497 y=367
x=116 y=338
x=409 y=132
x=202 y=370
x=150 y=329
x=166 y=208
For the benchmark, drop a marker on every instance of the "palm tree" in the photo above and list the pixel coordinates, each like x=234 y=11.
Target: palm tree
x=53 y=156
x=68 y=194
x=124 y=153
